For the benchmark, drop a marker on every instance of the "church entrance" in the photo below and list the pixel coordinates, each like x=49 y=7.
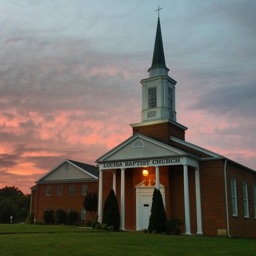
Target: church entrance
x=144 y=197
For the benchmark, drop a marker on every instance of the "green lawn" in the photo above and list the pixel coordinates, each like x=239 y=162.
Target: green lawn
x=40 y=240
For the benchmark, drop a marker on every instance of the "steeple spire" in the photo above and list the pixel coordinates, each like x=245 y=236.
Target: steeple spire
x=158 y=61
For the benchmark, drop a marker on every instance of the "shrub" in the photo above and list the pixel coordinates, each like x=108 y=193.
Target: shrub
x=111 y=228
x=94 y=223
x=157 y=220
x=172 y=226
x=72 y=217
x=89 y=223
x=111 y=215
x=48 y=216
x=90 y=203
x=98 y=226
x=61 y=216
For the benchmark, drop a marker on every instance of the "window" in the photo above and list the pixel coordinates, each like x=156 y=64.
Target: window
x=71 y=190
x=138 y=144
x=48 y=191
x=254 y=199
x=84 y=190
x=170 y=98
x=152 y=98
x=245 y=196
x=234 y=197
x=59 y=191
x=83 y=214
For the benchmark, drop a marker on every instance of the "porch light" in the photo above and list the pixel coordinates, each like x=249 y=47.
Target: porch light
x=145 y=173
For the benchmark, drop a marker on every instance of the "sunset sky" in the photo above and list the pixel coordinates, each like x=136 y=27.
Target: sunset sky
x=70 y=76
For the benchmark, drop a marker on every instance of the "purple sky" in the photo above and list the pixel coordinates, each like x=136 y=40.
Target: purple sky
x=70 y=76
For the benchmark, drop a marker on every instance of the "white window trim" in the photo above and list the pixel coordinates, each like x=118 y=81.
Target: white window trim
x=152 y=101
x=59 y=190
x=254 y=198
x=84 y=193
x=246 y=200
x=83 y=214
x=234 y=198
x=48 y=190
x=71 y=191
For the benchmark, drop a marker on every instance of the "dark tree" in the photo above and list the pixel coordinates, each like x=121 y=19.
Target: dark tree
x=72 y=217
x=90 y=204
x=13 y=203
x=157 y=220
x=48 y=216
x=111 y=215
x=61 y=216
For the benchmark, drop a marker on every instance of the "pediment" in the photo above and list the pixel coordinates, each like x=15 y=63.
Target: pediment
x=140 y=147
x=67 y=171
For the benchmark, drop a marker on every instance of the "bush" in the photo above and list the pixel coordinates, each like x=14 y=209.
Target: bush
x=111 y=215
x=98 y=226
x=157 y=220
x=72 y=217
x=90 y=204
x=61 y=216
x=172 y=226
x=111 y=228
x=94 y=223
x=48 y=216
x=89 y=223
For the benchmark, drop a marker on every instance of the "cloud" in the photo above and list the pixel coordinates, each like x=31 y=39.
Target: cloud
x=235 y=100
x=70 y=75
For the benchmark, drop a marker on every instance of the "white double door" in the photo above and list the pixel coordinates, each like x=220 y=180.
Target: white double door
x=143 y=206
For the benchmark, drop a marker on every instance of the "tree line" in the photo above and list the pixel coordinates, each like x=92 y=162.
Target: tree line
x=14 y=205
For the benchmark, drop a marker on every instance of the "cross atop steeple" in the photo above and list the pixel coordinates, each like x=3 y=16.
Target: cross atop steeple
x=158 y=10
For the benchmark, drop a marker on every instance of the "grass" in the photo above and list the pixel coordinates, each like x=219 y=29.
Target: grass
x=38 y=240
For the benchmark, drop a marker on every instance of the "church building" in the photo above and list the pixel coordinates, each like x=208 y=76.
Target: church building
x=64 y=187
x=210 y=194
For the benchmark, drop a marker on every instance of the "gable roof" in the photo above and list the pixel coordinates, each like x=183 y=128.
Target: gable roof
x=87 y=167
x=69 y=170
x=139 y=146
x=202 y=153
x=193 y=149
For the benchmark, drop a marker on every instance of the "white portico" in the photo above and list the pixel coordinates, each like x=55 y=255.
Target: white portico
x=141 y=152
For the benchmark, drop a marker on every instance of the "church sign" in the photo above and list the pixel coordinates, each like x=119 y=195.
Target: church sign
x=142 y=163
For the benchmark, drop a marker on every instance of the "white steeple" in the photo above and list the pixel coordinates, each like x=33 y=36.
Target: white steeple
x=158 y=91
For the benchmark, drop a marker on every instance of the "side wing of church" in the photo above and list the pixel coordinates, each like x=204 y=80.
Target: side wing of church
x=209 y=193
x=64 y=187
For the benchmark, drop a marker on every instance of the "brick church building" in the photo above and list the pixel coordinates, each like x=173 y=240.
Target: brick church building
x=210 y=194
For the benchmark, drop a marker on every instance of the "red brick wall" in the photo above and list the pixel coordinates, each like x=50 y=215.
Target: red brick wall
x=161 y=132
x=41 y=201
x=241 y=226
x=212 y=196
x=176 y=196
x=170 y=177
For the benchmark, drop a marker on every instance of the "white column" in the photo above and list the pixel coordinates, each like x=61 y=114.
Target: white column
x=123 y=199
x=157 y=177
x=114 y=181
x=198 y=202
x=100 y=197
x=186 y=200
